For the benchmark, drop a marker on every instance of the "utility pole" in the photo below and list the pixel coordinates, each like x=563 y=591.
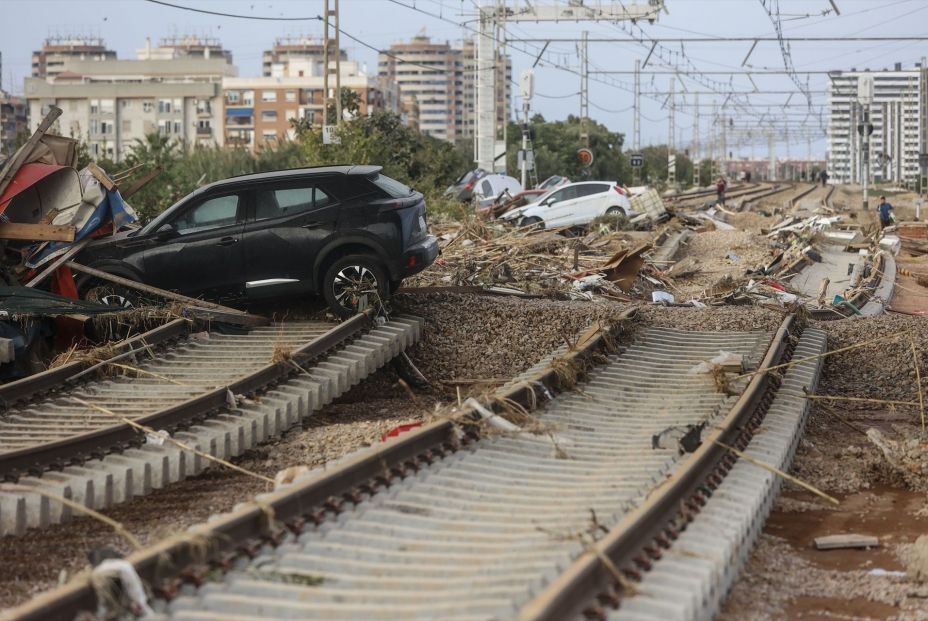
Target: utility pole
x=865 y=97
x=492 y=13
x=695 y=153
x=584 y=91
x=636 y=128
x=325 y=63
x=338 y=70
x=723 y=168
x=527 y=90
x=671 y=155
x=772 y=154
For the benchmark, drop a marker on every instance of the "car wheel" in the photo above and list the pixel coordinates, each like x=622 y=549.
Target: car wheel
x=532 y=221
x=615 y=211
x=119 y=297
x=394 y=285
x=354 y=283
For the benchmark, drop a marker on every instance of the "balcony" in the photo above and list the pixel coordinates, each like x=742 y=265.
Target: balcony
x=204 y=131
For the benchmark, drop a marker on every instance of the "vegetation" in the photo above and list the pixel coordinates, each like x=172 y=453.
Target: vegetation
x=425 y=163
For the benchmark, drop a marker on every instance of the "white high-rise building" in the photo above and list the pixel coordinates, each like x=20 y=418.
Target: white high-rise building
x=897 y=114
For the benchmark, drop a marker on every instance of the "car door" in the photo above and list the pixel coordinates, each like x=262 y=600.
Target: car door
x=199 y=252
x=591 y=202
x=560 y=207
x=290 y=222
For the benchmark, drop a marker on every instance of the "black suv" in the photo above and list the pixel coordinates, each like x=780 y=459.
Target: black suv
x=343 y=231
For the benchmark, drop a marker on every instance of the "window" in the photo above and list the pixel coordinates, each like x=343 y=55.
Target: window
x=164 y=106
x=148 y=105
x=127 y=126
x=248 y=98
x=211 y=214
x=393 y=187
x=94 y=106
x=107 y=106
x=593 y=188
x=486 y=188
x=290 y=96
x=288 y=201
x=269 y=115
x=125 y=103
x=233 y=96
x=269 y=96
x=106 y=127
x=177 y=127
x=178 y=105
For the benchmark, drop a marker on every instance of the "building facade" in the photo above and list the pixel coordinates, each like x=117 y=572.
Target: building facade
x=49 y=61
x=897 y=115
x=259 y=110
x=109 y=104
x=276 y=61
x=13 y=122
x=439 y=78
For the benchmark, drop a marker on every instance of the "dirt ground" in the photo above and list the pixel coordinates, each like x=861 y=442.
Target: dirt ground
x=482 y=337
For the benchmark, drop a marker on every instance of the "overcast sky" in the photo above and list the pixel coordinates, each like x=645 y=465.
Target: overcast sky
x=124 y=24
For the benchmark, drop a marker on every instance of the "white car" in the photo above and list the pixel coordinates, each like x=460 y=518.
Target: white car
x=575 y=204
x=490 y=187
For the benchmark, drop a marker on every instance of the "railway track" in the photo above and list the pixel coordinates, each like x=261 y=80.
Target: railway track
x=456 y=520
x=66 y=431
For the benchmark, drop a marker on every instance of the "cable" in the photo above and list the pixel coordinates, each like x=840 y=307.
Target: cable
x=237 y=16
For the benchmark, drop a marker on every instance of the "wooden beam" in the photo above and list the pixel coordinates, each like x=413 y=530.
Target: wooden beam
x=140 y=183
x=232 y=315
x=101 y=176
x=36 y=232
x=58 y=262
x=13 y=165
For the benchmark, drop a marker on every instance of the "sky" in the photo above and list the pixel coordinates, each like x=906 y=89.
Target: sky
x=124 y=25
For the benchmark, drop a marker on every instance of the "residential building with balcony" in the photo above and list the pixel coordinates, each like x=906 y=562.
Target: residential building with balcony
x=13 y=122
x=898 y=117
x=258 y=110
x=276 y=61
x=440 y=79
x=109 y=104
x=49 y=61
x=183 y=46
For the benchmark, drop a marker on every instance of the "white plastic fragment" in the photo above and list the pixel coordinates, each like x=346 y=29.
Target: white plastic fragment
x=157 y=438
x=725 y=360
x=662 y=296
x=120 y=569
x=495 y=420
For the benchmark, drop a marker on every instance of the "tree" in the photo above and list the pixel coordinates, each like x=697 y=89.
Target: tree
x=351 y=103
x=556 y=144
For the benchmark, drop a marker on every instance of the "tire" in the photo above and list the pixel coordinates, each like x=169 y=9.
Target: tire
x=533 y=222
x=116 y=296
x=615 y=211
x=353 y=283
x=394 y=285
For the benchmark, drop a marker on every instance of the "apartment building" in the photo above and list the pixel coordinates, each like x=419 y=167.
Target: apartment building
x=441 y=80
x=275 y=62
x=13 y=122
x=898 y=117
x=49 y=61
x=111 y=103
x=183 y=46
x=258 y=110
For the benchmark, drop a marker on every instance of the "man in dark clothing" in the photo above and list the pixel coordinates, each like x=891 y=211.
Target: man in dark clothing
x=720 y=187
x=824 y=177
x=885 y=217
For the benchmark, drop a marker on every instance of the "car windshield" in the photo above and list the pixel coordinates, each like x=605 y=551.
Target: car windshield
x=392 y=187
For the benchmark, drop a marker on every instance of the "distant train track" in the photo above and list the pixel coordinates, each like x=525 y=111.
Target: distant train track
x=459 y=519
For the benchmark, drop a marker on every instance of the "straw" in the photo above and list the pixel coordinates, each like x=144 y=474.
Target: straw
x=146 y=429
x=779 y=472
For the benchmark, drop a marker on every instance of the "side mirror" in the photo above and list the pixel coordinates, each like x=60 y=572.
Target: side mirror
x=166 y=231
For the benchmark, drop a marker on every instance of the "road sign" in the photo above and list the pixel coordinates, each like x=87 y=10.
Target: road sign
x=585 y=157
x=528 y=156
x=636 y=160
x=527 y=84
x=329 y=135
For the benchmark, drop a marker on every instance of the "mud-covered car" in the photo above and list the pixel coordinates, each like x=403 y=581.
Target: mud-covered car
x=348 y=233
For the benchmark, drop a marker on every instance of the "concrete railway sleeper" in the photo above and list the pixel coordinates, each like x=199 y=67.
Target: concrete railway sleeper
x=456 y=520
x=221 y=394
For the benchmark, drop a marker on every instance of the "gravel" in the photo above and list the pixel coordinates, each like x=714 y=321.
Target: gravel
x=712 y=249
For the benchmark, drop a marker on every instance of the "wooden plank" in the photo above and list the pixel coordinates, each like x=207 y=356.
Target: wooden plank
x=227 y=313
x=13 y=165
x=836 y=542
x=140 y=183
x=61 y=260
x=101 y=176
x=37 y=232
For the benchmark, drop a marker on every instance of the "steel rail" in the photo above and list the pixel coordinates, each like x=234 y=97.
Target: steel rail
x=630 y=544
x=51 y=379
x=79 y=446
x=167 y=564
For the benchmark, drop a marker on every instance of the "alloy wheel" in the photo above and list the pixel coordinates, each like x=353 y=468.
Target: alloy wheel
x=355 y=287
